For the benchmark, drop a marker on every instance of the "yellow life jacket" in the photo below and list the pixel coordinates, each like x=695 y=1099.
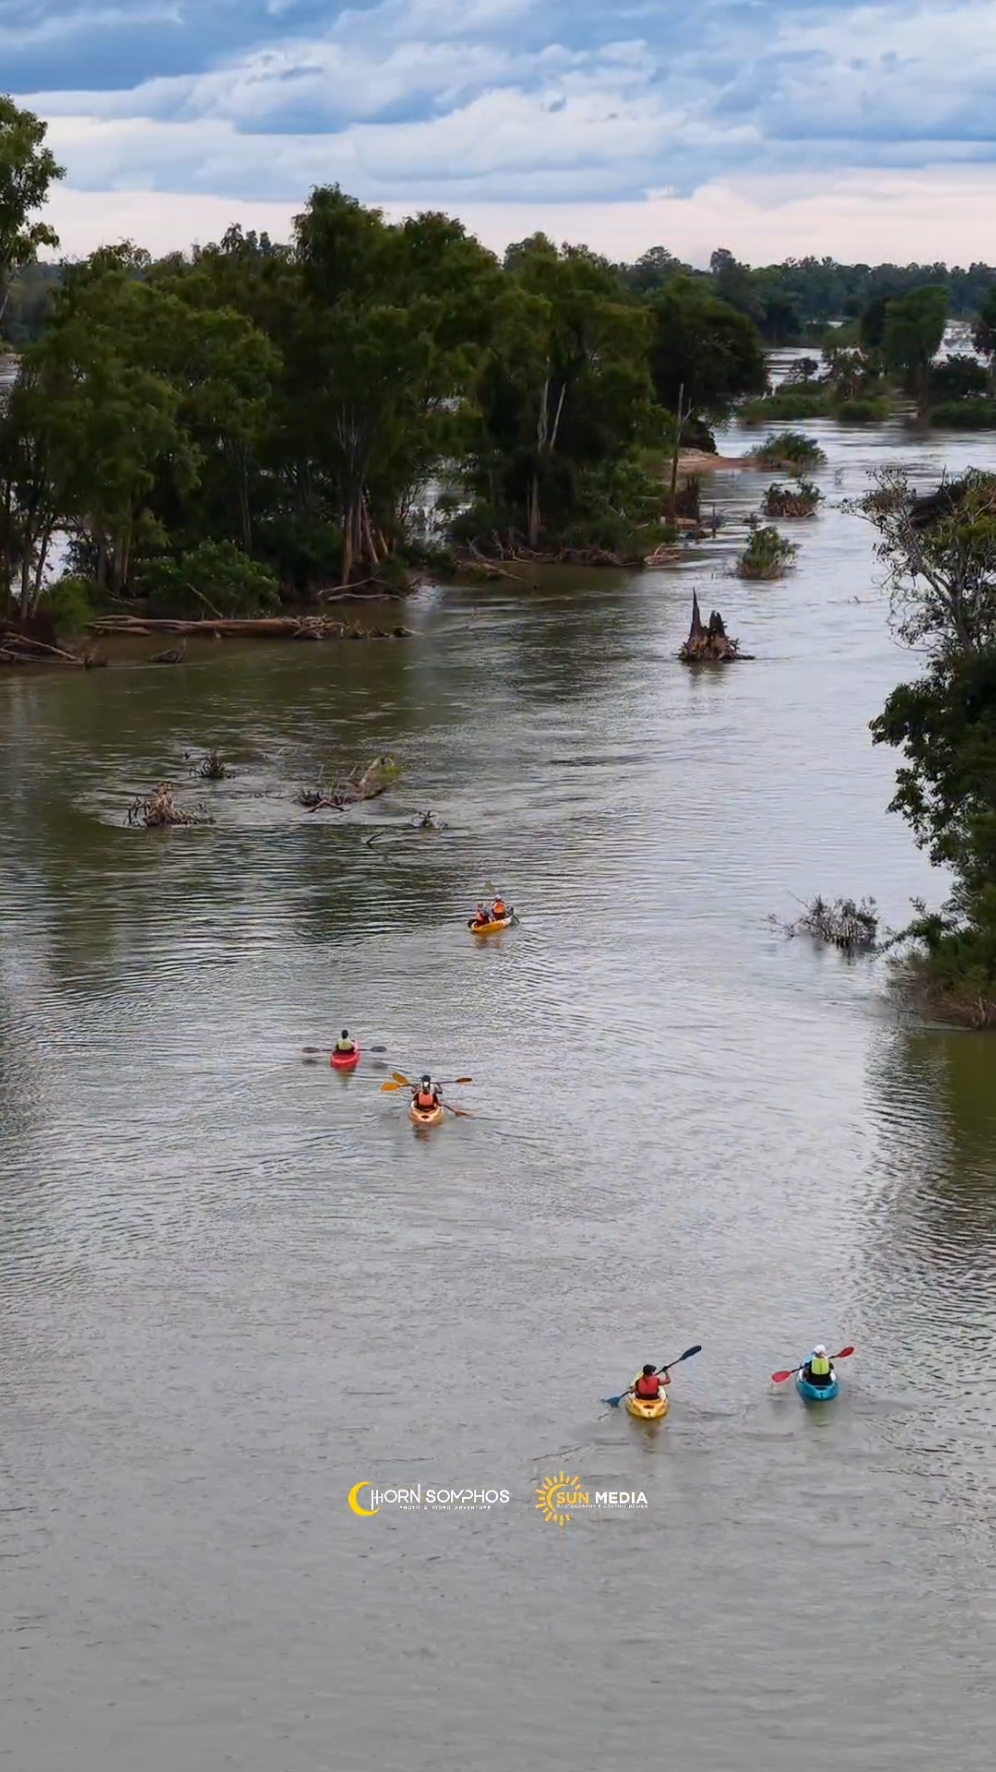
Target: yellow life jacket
x=819 y=1366
x=345 y=1045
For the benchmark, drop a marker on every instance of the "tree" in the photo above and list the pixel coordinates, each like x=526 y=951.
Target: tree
x=564 y=388
x=958 y=377
x=871 y=326
x=27 y=168
x=940 y=559
x=945 y=726
x=914 y=329
x=384 y=355
x=940 y=552
x=703 y=346
x=984 y=329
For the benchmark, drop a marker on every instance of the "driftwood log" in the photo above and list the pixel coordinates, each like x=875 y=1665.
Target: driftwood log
x=21 y=647
x=264 y=627
x=709 y=643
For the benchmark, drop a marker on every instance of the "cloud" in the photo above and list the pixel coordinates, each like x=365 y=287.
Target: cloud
x=500 y=101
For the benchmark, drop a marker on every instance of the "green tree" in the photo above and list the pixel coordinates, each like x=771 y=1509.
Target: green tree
x=384 y=354
x=27 y=169
x=914 y=329
x=945 y=726
x=564 y=387
x=871 y=327
x=215 y=578
x=939 y=555
x=703 y=351
x=984 y=329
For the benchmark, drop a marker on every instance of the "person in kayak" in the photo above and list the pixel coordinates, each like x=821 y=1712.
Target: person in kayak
x=818 y=1370
x=426 y=1095
x=344 y=1044
x=499 y=910
x=482 y=914
x=647 y=1388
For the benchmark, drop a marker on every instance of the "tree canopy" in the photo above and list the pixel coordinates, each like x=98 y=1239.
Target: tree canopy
x=27 y=169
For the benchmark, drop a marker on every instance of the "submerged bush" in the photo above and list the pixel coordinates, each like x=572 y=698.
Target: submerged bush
x=864 y=410
x=788 y=449
x=767 y=554
x=69 y=603
x=968 y=415
x=801 y=500
x=798 y=401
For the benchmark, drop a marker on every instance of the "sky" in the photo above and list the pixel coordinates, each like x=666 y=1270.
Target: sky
x=770 y=127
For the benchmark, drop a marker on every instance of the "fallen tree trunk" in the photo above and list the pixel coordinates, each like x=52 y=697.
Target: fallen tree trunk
x=27 y=649
x=263 y=627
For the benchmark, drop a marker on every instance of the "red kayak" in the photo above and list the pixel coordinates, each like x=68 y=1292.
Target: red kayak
x=345 y=1061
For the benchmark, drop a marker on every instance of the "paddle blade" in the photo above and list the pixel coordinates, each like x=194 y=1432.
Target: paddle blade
x=400 y=1080
x=689 y=1351
x=446 y=1081
x=461 y=1113
x=845 y=1353
x=780 y=1377
x=614 y=1402
x=391 y=1088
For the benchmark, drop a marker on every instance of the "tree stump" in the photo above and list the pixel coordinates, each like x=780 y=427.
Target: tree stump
x=708 y=644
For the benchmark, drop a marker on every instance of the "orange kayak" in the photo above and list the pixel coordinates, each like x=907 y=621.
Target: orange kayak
x=425 y=1116
x=491 y=928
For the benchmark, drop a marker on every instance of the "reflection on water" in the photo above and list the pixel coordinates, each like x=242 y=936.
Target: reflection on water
x=232 y=1284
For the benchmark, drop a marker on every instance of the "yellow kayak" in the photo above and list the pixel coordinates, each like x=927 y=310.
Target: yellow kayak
x=654 y=1409
x=492 y=928
x=425 y=1116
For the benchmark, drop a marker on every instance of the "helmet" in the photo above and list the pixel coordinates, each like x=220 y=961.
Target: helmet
x=648 y=1371
x=426 y=1080
x=820 y=1351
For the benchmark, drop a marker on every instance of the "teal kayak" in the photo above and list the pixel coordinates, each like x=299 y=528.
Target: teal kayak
x=816 y=1393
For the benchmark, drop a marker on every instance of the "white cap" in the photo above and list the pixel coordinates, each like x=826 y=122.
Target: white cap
x=820 y=1349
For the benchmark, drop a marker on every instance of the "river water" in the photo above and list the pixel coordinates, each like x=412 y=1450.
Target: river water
x=234 y=1285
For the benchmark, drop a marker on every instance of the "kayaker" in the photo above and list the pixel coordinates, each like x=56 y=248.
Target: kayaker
x=426 y=1094
x=482 y=914
x=499 y=909
x=818 y=1370
x=648 y=1385
x=344 y=1044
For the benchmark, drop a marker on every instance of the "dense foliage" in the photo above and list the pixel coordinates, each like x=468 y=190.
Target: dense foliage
x=797 y=298
x=941 y=558
x=213 y=425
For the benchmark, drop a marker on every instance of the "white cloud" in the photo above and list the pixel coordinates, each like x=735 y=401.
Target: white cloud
x=422 y=101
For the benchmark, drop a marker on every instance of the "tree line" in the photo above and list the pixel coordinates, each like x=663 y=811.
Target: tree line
x=794 y=301
x=213 y=429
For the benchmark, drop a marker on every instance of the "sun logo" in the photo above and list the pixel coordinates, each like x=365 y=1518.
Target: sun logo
x=558 y=1494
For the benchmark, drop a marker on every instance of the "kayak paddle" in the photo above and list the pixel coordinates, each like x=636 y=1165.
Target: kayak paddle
x=325 y=1051
x=780 y=1377
x=404 y=1083
x=614 y=1402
